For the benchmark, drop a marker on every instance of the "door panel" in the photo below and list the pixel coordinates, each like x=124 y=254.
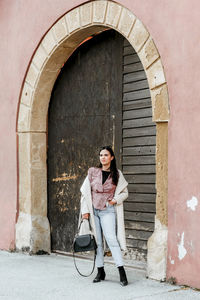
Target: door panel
x=138 y=158
x=85 y=113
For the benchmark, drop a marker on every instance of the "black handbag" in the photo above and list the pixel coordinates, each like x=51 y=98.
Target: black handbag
x=84 y=243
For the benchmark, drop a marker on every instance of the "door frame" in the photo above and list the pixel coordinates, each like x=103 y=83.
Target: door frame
x=72 y=29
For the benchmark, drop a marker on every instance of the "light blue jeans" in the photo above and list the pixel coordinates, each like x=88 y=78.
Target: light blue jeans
x=105 y=221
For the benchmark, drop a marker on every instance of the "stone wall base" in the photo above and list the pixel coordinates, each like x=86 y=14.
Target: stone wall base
x=157 y=252
x=32 y=234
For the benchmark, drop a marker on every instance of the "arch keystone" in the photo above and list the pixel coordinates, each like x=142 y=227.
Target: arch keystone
x=113 y=14
x=99 y=10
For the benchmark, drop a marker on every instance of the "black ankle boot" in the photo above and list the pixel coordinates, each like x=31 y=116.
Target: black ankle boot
x=122 y=274
x=100 y=275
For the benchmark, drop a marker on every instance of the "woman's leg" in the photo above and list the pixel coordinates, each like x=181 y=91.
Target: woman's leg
x=99 y=257
x=108 y=224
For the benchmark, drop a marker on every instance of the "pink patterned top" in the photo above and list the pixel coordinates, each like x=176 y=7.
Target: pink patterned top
x=101 y=193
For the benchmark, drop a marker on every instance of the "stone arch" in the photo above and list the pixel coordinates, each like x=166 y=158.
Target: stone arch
x=32 y=228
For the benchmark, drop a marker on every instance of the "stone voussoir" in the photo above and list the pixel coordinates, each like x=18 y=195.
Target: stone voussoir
x=40 y=57
x=138 y=35
x=60 y=30
x=99 y=10
x=24 y=118
x=32 y=75
x=113 y=14
x=155 y=74
x=86 y=14
x=126 y=22
x=73 y=20
x=27 y=93
x=49 y=42
x=148 y=53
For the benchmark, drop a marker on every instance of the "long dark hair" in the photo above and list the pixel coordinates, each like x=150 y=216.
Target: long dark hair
x=113 y=166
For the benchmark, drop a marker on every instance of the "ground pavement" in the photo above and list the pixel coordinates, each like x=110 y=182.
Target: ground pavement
x=25 y=277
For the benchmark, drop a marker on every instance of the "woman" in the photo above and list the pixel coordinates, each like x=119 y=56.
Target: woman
x=102 y=196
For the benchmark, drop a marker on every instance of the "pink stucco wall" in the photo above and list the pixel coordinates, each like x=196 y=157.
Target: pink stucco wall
x=175 y=28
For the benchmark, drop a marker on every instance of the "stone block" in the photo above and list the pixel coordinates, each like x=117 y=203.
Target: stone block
x=41 y=101
x=23 y=232
x=32 y=233
x=73 y=20
x=32 y=173
x=155 y=74
x=32 y=75
x=38 y=115
x=26 y=97
x=40 y=57
x=23 y=124
x=99 y=10
x=160 y=104
x=113 y=14
x=48 y=42
x=149 y=53
x=126 y=22
x=24 y=173
x=60 y=30
x=138 y=35
x=86 y=14
x=162 y=171
x=39 y=191
x=157 y=252
x=38 y=150
x=40 y=234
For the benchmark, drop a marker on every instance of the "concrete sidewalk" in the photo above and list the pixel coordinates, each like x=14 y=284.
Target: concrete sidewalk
x=24 y=277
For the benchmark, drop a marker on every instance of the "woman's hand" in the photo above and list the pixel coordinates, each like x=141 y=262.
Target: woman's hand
x=86 y=216
x=112 y=202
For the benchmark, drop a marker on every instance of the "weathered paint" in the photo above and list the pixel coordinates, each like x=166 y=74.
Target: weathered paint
x=181 y=249
x=175 y=27
x=65 y=178
x=192 y=203
x=171 y=260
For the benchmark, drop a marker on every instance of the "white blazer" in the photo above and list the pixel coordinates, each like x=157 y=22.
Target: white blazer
x=121 y=194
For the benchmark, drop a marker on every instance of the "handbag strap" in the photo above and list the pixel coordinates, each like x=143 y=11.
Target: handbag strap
x=82 y=222
x=95 y=253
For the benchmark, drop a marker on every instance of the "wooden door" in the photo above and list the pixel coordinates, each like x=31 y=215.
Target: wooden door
x=85 y=113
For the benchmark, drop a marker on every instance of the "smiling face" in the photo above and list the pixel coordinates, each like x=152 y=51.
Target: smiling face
x=105 y=158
